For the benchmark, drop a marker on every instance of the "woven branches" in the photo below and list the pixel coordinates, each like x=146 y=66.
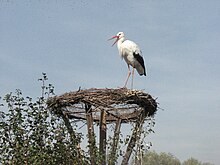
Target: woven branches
x=121 y=103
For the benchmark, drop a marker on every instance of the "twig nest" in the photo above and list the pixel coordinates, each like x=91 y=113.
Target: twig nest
x=121 y=103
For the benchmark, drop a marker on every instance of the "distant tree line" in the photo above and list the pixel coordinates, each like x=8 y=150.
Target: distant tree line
x=153 y=158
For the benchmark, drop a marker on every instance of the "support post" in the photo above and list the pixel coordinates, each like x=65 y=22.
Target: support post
x=72 y=133
x=102 y=140
x=113 y=158
x=91 y=135
x=134 y=138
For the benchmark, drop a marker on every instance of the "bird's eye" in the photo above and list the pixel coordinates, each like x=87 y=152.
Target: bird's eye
x=119 y=34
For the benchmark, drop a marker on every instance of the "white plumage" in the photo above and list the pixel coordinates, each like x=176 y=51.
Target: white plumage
x=131 y=53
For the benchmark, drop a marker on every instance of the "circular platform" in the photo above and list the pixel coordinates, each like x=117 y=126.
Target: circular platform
x=122 y=103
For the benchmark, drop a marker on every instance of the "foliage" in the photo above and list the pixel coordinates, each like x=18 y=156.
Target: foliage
x=193 y=161
x=153 y=158
x=30 y=134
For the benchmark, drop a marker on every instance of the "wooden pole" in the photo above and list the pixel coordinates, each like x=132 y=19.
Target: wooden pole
x=73 y=136
x=91 y=137
x=113 y=158
x=134 y=138
x=102 y=140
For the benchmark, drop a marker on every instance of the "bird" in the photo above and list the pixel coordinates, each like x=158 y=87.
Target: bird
x=131 y=53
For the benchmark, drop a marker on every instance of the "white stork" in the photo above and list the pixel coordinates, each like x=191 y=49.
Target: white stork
x=131 y=54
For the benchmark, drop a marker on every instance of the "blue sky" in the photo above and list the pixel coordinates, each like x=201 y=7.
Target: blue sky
x=180 y=44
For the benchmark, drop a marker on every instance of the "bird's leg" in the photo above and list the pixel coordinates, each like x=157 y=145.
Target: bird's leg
x=129 y=73
x=132 y=78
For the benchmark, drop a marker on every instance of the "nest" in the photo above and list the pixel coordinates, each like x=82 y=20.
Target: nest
x=121 y=103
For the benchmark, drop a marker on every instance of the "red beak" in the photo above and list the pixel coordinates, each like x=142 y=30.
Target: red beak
x=115 y=40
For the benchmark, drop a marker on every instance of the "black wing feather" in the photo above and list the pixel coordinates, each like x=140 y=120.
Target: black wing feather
x=140 y=59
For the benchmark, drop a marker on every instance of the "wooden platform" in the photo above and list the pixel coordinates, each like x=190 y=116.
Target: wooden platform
x=118 y=103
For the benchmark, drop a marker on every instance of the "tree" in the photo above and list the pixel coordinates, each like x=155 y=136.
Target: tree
x=30 y=134
x=193 y=161
x=152 y=158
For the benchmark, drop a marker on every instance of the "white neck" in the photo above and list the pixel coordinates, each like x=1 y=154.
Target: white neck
x=120 y=41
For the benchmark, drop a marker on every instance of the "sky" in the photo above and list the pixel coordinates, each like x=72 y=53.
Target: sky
x=180 y=44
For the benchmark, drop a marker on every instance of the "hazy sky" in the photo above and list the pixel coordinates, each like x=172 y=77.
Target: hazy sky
x=180 y=41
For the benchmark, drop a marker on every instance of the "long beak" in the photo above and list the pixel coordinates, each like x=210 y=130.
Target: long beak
x=115 y=40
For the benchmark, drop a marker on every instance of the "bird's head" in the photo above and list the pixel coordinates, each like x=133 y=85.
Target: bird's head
x=118 y=37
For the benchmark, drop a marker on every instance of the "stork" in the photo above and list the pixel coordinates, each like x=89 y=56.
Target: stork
x=131 y=53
